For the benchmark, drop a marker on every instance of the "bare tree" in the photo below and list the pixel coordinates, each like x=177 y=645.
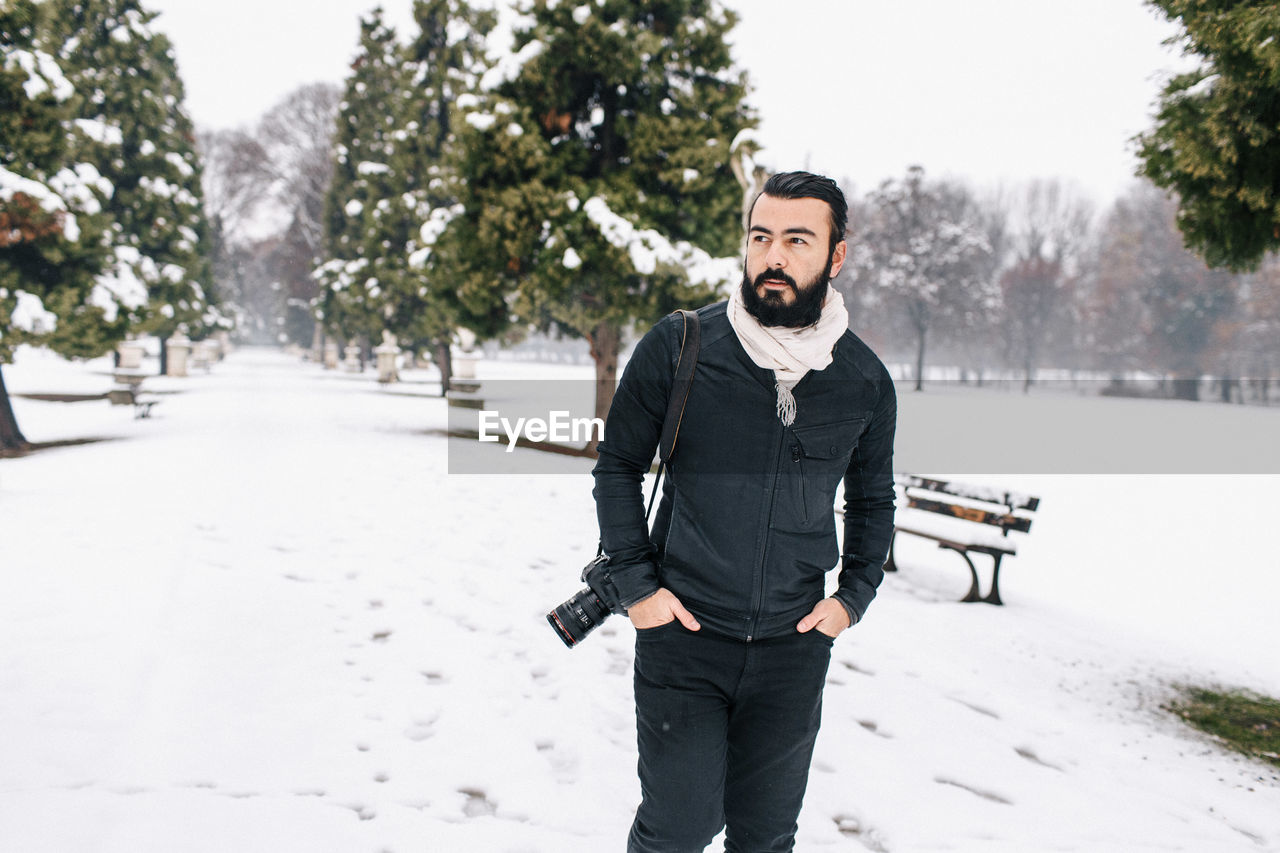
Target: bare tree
x=1047 y=242
x=297 y=136
x=236 y=176
x=1175 y=298
x=926 y=248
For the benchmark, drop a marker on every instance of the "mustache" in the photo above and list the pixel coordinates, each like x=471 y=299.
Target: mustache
x=776 y=276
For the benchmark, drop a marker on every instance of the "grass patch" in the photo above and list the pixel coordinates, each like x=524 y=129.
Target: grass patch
x=1247 y=722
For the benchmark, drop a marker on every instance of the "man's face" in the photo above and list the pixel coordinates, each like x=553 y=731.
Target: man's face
x=790 y=261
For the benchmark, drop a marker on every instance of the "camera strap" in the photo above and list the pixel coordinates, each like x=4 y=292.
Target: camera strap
x=690 y=339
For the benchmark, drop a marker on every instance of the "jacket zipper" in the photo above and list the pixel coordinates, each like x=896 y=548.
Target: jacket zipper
x=797 y=456
x=758 y=592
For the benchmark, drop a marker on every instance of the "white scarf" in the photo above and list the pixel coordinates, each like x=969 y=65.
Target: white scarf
x=789 y=353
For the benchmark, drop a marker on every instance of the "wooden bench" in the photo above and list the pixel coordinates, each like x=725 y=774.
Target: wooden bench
x=963 y=518
x=129 y=395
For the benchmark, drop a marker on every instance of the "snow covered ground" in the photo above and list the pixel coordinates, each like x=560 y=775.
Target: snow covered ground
x=268 y=619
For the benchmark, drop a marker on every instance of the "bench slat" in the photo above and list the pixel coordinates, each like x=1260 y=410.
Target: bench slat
x=1005 y=521
x=963 y=544
x=1014 y=500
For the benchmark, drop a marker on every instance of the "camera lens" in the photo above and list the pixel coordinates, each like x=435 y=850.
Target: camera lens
x=574 y=619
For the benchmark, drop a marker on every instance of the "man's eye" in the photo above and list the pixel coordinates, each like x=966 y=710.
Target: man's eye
x=799 y=241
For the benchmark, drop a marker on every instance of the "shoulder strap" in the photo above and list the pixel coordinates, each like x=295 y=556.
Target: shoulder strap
x=687 y=363
x=690 y=338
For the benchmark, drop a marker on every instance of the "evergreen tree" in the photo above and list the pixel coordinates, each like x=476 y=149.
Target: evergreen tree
x=596 y=181
x=391 y=186
x=57 y=287
x=363 y=183
x=1216 y=142
x=448 y=59
x=127 y=81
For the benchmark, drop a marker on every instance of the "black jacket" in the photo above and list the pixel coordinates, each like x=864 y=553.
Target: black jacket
x=745 y=532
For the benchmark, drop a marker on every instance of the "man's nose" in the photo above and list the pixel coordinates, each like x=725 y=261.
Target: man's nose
x=775 y=258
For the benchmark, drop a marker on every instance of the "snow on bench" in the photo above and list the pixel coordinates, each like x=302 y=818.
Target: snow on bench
x=964 y=518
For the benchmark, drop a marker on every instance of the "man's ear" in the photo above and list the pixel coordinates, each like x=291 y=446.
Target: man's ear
x=838 y=256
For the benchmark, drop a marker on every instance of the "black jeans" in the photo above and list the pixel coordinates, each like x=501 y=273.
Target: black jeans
x=726 y=731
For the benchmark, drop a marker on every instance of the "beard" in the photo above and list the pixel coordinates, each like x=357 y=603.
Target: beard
x=770 y=309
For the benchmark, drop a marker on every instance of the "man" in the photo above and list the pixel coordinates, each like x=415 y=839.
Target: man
x=733 y=632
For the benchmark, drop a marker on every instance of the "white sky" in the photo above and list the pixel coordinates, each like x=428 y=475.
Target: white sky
x=987 y=90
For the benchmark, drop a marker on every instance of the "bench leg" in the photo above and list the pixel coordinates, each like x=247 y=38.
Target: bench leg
x=993 y=597
x=974 y=593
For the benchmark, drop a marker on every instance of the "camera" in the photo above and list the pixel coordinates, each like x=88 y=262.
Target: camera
x=586 y=609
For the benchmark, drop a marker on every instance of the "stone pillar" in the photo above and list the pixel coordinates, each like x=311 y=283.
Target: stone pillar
x=386 y=354
x=178 y=349
x=464 y=362
x=204 y=354
x=464 y=365
x=130 y=354
x=331 y=355
x=351 y=358
x=464 y=388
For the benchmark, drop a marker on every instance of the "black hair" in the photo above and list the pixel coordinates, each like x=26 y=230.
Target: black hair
x=789 y=185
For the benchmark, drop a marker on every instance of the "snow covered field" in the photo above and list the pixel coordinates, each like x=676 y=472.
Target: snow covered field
x=268 y=619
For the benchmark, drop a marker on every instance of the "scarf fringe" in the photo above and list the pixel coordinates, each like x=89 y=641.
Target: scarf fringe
x=786 y=405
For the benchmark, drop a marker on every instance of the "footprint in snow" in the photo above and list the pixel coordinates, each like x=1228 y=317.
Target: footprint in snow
x=874 y=727
x=477 y=803
x=420 y=730
x=851 y=827
x=1029 y=754
x=979 y=792
x=987 y=712
x=853 y=667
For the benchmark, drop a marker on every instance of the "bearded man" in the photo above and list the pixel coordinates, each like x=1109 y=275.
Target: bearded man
x=728 y=592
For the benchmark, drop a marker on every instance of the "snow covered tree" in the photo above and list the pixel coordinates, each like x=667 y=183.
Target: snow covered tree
x=58 y=287
x=364 y=183
x=597 y=181
x=132 y=125
x=393 y=188
x=448 y=58
x=925 y=245
x=1216 y=142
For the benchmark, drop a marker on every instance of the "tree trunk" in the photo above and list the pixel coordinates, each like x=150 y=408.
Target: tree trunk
x=920 y=358
x=11 y=437
x=605 y=342
x=444 y=363
x=164 y=356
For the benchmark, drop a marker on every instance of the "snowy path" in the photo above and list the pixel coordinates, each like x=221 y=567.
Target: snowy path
x=268 y=620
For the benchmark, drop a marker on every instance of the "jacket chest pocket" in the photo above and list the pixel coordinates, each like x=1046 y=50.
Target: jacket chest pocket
x=816 y=458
